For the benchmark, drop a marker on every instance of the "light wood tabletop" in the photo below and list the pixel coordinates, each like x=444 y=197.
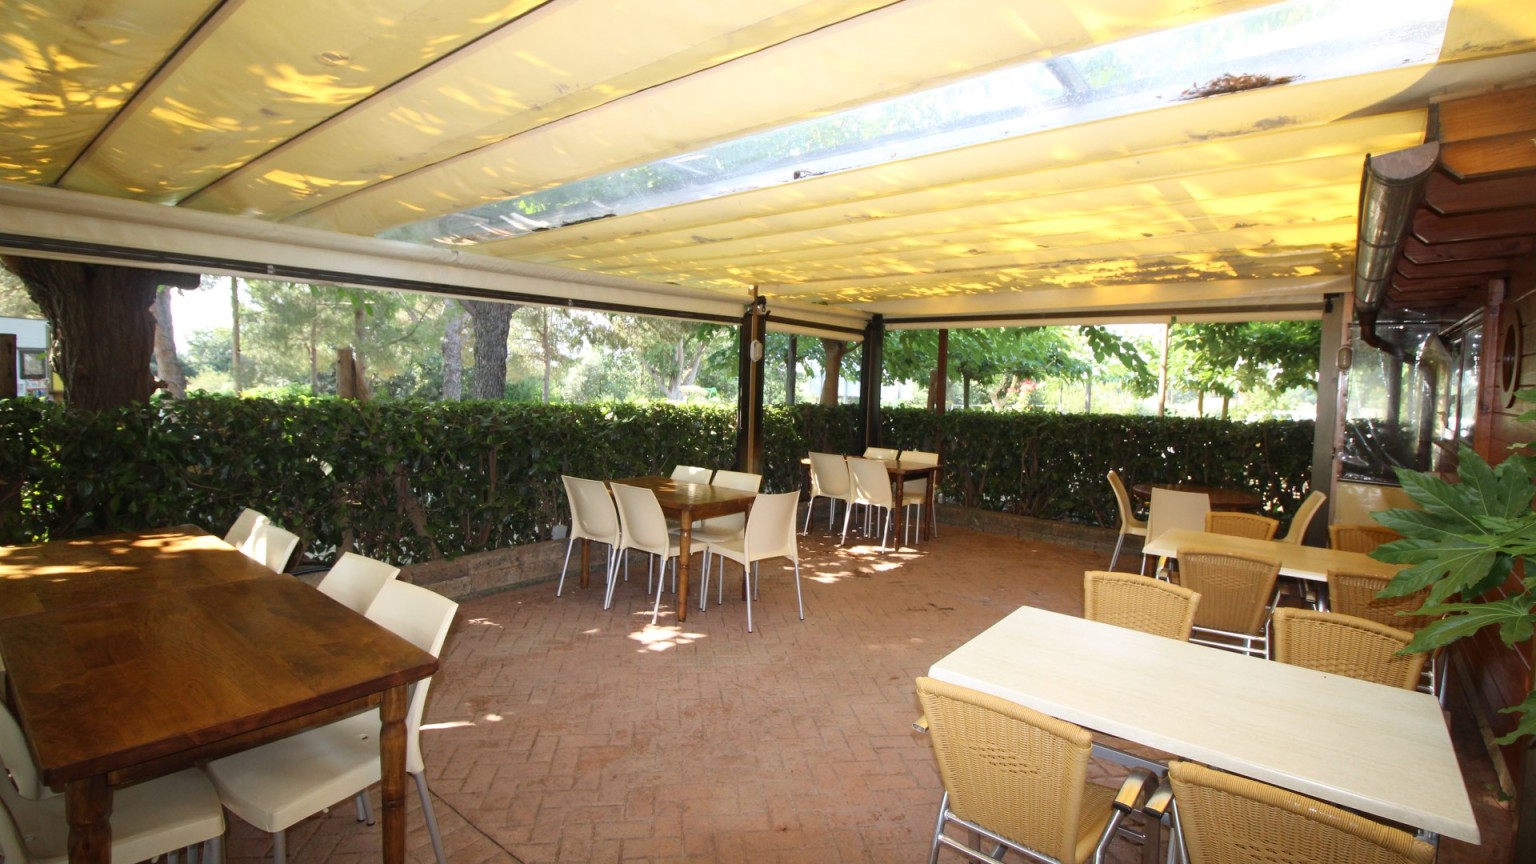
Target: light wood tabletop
x=1381 y=750
x=153 y=651
x=1297 y=561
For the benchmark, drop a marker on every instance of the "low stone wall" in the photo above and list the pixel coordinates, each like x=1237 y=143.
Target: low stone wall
x=488 y=572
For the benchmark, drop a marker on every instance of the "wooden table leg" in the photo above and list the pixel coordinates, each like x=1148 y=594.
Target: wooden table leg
x=392 y=764
x=88 y=808
x=684 y=553
x=586 y=559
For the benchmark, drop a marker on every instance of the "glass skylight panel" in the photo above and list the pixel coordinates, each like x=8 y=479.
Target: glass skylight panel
x=1273 y=46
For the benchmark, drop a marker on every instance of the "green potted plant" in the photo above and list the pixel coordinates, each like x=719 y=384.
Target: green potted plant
x=1463 y=543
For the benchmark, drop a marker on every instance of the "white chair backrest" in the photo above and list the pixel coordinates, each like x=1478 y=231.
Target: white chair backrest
x=1303 y=518
x=691 y=473
x=11 y=845
x=592 y=513
x=880 y=453
x=641 y=519
x=17 y=756
x=422 y=617
x=871 y=482
x=771 y=528
x=271 y=545
x=1176 y=510
x=830 y=473
x=739 y=480
x=355 y=581
x=245 y=523
x=919 y=457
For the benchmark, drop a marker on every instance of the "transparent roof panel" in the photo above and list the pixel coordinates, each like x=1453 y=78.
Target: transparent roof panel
x=1310 y=40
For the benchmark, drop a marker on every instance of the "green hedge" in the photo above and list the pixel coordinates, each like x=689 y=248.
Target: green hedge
x=407 y=481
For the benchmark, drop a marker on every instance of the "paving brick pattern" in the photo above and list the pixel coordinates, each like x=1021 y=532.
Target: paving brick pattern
x=558 y=732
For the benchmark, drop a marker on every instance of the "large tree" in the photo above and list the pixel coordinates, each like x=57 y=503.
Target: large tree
x=492 y=322
x=103 y=331
x=167 y=364
x=1256 y=356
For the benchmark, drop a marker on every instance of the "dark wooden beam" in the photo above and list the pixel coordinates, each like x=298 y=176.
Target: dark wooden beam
x=1431 y=228
x=1468 y=267
x=1419 y=252
x=1451 y=197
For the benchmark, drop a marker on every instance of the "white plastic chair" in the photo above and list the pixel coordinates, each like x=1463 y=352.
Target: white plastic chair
x=355 y=580
x=277 y=784
x=644 y=528
x=829 y=479
x=770 y=533
x=692 y=473
x=592 y=518
x=881 y=453
x=872 y=488
x=731 y=524
x=1174 y=510
x=1297 y=533
x=271 y=545
x=244 y=524
x=1129 y=524
x=148 y=819
x=914 y=493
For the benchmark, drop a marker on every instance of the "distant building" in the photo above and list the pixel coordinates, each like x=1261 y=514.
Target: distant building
x=32 y=373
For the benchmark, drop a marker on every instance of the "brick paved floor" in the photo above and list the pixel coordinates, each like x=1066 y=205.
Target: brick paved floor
x=561 y=733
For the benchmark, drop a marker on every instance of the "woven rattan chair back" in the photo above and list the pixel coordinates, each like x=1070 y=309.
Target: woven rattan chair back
x=1359 y=538
x=1345 y=645
x=1357 y=594
x=1303 y=518
x=1012 y=770
x=1241 y=525
x=1234 y=594
x=1222 y=817
x=1139 y=603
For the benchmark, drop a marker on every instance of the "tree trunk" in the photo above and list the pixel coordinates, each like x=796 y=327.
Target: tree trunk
x=492 y=323
x=234 y=332
x=167 y=364
x=104 y=332
x=833 y=350
x=1088 y=394
x=453 y=352
x=546 y=349
x=314 y=356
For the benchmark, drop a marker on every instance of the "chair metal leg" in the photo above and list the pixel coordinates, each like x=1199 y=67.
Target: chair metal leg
x=1116 y=557
x=431 y=817
x=568 y=546
x=279 y=848
x=799 y=599
x=364 y=807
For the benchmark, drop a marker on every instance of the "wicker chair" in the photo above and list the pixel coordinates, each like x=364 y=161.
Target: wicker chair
x=1019 y=778
x=1234 y=594
x=1357 y=594
x=1359 y=538
x=1139 y=603
x=1345 y=645
x=1241 y=525
x=1218 y=817
x=1129 y=524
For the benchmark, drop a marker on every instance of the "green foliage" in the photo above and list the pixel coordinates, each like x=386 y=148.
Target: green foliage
x=409 y=481
x=1463 y=545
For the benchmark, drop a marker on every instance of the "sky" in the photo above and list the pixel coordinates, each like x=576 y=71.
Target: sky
x=199 y=311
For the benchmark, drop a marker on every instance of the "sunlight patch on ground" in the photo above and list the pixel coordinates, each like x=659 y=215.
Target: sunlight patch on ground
x=459 y=724
x=662 y=638
x=483 y=622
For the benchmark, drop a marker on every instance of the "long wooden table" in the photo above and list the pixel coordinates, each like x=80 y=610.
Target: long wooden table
x=900 y=472
x=687 y=502
x=131 y=656
x=1382 y=750
x=1311 y=563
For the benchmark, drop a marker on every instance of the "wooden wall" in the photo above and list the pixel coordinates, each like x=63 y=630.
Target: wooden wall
x=1501 y=676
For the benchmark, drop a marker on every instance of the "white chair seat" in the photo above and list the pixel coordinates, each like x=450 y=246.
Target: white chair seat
x=275 y=786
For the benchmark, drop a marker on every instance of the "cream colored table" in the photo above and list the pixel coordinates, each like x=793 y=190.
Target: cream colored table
x=1381 y=750
x=1300 y=562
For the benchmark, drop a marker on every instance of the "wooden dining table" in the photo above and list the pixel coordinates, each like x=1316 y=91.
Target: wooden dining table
x=900 y=472
x=130 y=656
x=688 y=502
x=1222 y=498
